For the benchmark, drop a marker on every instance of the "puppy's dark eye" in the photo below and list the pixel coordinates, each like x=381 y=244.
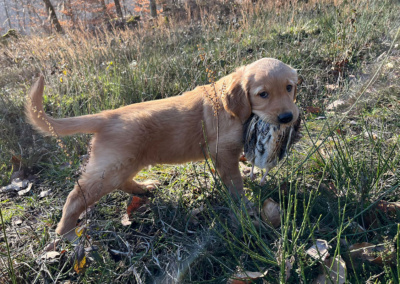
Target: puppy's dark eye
x=263 y=95
x=289 y=88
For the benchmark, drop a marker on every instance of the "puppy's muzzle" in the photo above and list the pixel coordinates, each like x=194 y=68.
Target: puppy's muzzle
x=285 y=117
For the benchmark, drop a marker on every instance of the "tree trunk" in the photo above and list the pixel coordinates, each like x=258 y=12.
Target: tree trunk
x=53 y=17
x=103 y=5
x=70 y=12
x=153 y=8
x=118 y=8
x=8 y=16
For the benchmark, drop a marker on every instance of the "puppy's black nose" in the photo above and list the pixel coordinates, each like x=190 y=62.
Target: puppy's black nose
x=285 y=117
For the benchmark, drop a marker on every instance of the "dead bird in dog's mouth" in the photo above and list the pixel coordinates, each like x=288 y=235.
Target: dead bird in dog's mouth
x=265 y=144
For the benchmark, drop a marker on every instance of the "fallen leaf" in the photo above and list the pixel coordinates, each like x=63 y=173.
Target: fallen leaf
x=372 y=220
x=193 y=215
x=125 y=220
x=338 y=270
x=335 y=104
x=80 y=230
x=388 y=207
x=389 y=65
x=331 y=87
x=80 y=266
x=16 y=185
x=134 y=204
x=288 y=267
x=270 y=213
x=246 y=277
x=313 y=110
x=319 y=250
x=243 y=158
x=44 y=193
x=25 y=191
x=20 y=183
x=372 y=135
x=80 y=259
x=50 y=255
x=377 y=254
x=17 y=222
x=340 y=131
x=361 y=251
x=15 y=161
x=336 y=267
x=53 y=245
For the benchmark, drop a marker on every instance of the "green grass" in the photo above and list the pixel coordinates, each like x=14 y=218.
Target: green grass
x=333 y=185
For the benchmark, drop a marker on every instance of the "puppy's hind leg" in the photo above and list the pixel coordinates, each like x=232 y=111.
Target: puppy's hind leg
x=73 y=207
x=92 y=185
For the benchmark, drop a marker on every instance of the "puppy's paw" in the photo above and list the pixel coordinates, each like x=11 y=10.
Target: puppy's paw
x=150 y=185
x=71 y=236
x=134 y=187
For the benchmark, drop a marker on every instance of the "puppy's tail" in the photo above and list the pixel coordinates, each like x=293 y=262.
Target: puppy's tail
x=57 y=127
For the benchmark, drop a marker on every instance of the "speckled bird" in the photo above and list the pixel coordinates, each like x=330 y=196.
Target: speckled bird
x=266 y=144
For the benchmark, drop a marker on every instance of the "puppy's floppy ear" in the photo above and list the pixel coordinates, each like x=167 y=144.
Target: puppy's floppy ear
x=236 y=98
x=295 y=93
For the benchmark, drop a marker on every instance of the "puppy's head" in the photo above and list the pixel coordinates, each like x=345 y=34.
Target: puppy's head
x=267 y=88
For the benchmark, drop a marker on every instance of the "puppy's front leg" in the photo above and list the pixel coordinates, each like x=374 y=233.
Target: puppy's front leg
x=230 y=175
x=229 y=172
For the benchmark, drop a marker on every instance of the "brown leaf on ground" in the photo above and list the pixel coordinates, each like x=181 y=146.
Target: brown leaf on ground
x=313 y=110
x=16 y=162
x=378 y=254
x=371 y=220
x=271 y=213
x=53 y=245
x=134 y=204
x=388 y=207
